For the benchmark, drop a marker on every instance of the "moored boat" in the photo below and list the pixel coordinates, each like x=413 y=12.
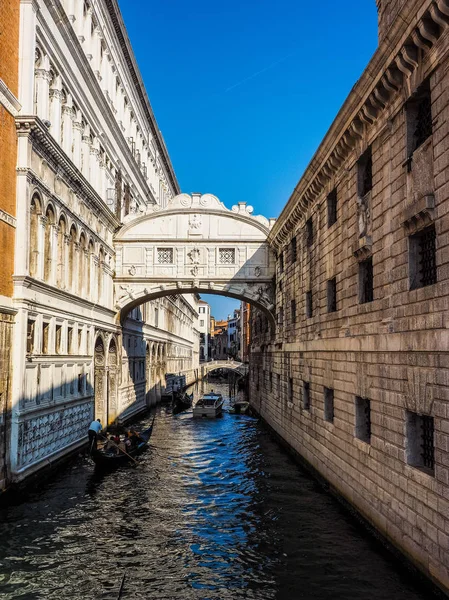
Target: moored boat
x=241 y=407
x=110 y=459
x=209 y=405
x=182 y=402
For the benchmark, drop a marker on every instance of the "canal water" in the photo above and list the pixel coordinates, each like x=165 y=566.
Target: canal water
x=215 y=510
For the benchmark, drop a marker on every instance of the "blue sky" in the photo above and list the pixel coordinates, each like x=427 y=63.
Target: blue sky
x=244 y=91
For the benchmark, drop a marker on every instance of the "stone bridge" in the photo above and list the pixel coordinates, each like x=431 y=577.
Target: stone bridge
x=207 y=367
x=194 y=245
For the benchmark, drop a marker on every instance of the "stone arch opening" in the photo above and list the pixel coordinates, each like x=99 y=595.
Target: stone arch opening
x=35 y=212
x=50 y=220
x=99 y=380
x=112 y=382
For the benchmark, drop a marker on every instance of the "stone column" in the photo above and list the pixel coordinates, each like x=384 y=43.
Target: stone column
x=70 y=10
x=40 y=246
x=22 y=242
x=67 y=125
x=94 y=165
x=75 y=269
x=77 y=133
x=86 y=143
x=96 y=51
x=56 y=108
x=105 y=67
x=54 y=254
x=27 y=55
x=88 y=33
x=93 y=280
x=42 y=93
x=79 y=19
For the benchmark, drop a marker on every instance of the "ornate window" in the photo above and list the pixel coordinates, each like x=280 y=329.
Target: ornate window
x=226 y=256
x=165 y=256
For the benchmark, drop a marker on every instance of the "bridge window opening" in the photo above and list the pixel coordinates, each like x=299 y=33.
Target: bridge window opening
x=366 y=281
x=309 y=306
x=332 y=295
x=363 y=419
x=422 y=258
x=332 y=208
x=226 y=256
x=165 y=256
x=294 y=250
x=309 y=232
x=306 y=395
x=328 y=405
x=420 y=442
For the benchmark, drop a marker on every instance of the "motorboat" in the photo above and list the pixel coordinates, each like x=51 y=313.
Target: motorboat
x=241 y=407
x=209 y=405
x=182 y=401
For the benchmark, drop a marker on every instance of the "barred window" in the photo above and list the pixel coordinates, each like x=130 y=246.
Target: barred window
x=365 y=173
x=366 y=281
x=420 y=441
x=332 y=295
x=309 y=306
x=281 y=262
x=293 y=310
x=306 y=395
x=165 y=256
x=422 y=259
x=226 y=256
x=419 y=119
x=294 y=249
x=290 y=389
x=329 y=405
x=363 y=419
x=332 y=208
x=309 y=232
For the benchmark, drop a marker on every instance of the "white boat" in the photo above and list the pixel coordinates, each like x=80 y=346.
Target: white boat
x=209 y=405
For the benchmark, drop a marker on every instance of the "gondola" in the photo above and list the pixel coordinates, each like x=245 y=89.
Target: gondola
x=182 y=401
x=110 y=460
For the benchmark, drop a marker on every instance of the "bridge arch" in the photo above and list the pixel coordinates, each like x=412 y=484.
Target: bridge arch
x=194 y=245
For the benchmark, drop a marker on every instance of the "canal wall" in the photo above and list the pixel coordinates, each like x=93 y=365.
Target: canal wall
x=354 y=376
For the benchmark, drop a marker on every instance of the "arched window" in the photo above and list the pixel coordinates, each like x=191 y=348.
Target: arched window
x=48 y=243
x=72 y=250
x=62 y=231
x=35 y=211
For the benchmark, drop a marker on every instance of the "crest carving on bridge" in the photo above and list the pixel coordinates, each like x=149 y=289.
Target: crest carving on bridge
x=194 y=244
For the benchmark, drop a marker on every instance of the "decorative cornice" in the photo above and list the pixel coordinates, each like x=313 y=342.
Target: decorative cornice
x=8 y=100
x=386 y=74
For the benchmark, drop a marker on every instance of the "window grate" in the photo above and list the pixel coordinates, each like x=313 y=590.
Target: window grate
x=365 y=167
x=332 y=208
x=294 y=250
x=306 y=395
x=366 y=281
x=423 y=129
x=332 y=295
x=293 y=310
x=329 y=405
x=309 y=306
x=427 y=262
x=309 y=232
x=363 y=419
x=226 y=256
x=427 y=445
x=281 y=262
x=165 y=256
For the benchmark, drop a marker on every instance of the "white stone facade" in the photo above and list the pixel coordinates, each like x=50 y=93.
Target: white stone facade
x=204 y=329
x=89 y=153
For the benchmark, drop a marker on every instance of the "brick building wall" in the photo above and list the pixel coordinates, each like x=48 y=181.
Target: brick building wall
x=9 y=49
x=355 y=377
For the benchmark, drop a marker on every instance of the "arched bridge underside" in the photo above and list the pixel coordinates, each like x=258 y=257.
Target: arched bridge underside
x=230 y=365
x=194 y=245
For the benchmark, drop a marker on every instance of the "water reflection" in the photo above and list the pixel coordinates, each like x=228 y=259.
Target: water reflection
x=215 y=510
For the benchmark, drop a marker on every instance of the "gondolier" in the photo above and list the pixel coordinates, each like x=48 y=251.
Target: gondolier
x=94 y=429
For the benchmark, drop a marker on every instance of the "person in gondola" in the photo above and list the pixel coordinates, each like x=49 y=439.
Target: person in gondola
x=93 y=431
x=134 y=439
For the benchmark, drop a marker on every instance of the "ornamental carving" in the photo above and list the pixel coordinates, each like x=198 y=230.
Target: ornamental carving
x=194 y=256
x=363 y=214
x=195 y=222
x=41 y=436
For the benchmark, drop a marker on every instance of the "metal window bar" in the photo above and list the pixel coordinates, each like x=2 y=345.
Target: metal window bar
x=332 y=208
x=226 y=256
x=306 y=395
x=309 y=238
x=367 y=281
x=427 y=260
x=294 y=249
x=309 y=306
x=293 y=310
x=367 y=417
x=427 y=445
x=165 y=256
x=332 y=295
x=423 y=129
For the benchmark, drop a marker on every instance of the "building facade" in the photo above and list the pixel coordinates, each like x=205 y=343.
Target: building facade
x=355 y=376
x=234 y=335
x=9 y=108
x=204 y=329
x=245 y=330
x=89 y=153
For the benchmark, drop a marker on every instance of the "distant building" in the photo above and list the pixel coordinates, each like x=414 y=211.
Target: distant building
x=219 y=339
x=204 y=319
x=245 y=318
x=234 y=334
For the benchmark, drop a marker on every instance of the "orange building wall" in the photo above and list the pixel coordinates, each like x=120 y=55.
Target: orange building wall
x=9 y=69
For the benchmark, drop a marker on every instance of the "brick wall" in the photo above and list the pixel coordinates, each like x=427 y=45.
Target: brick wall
x=393 y=350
